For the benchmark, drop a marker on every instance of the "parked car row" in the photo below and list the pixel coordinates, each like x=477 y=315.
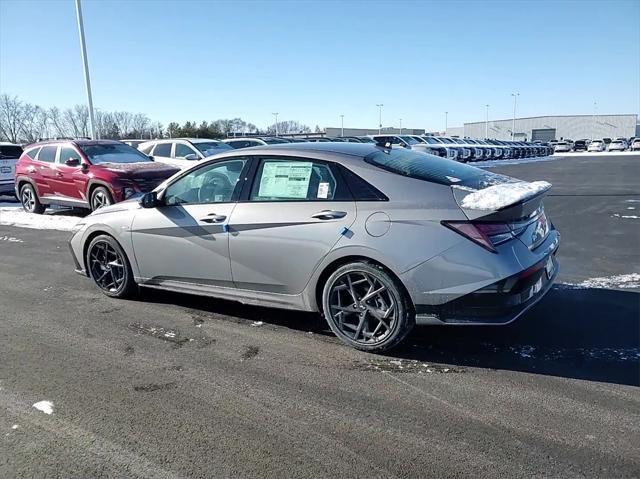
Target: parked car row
x=597 y=145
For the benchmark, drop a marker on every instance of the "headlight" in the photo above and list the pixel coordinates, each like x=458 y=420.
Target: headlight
x=128 y=192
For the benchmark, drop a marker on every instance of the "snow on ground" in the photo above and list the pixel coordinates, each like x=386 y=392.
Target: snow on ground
x=502 y=195
x=52 y=219
x=620 y=281
x=44 y=406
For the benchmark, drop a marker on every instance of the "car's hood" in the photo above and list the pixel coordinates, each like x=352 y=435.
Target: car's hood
x=142 y=169
x=132 y=203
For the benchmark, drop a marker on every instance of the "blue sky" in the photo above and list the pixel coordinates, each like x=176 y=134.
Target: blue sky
x=313 y=61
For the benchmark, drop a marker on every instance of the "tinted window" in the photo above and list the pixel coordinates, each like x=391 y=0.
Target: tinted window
x=48 y=154
x=183 y=150
x=162 y=149
x=112 y=153
x=10 y=151
x=360 y=189
x=211 y=148
x=67 y=153
x=273 y=141
x=33 y=153
x=293 y=180
x=213 y=183
x=432 y=168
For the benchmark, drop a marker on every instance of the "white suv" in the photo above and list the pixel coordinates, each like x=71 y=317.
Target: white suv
x=182 y=152
x=9 y=154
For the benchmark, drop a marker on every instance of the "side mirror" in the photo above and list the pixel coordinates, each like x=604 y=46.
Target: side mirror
x=149 y=200
x=72 y=162
x=151 y=158
x=84 y=167
x=191 y=157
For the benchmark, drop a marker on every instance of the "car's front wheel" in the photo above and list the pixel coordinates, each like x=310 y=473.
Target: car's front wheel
x=29 y=200
x=100 y=197
x=367 y=307
x=109 y=267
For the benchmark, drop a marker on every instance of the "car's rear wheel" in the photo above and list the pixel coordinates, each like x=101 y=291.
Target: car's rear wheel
x=30 y=201
x=367 y=307
x=100 y=197
x=109 y=267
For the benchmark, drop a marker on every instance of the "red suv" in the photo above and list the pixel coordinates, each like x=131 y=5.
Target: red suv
x=84 y=173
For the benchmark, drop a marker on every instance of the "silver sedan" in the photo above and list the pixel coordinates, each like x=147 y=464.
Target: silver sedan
x=376 y=239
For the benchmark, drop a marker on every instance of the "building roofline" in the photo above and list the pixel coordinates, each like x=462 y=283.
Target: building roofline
x=550 y=116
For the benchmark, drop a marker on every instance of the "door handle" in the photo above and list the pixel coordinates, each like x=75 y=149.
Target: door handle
x=213 y=218
x=329 y=215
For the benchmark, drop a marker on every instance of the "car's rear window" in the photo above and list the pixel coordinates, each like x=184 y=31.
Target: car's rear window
x=434 y=169
x=113 y=153
x=10 y=151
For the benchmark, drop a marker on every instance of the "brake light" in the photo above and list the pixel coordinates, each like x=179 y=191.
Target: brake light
x=487 y=235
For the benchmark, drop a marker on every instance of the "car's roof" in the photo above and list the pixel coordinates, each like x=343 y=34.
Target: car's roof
x=82 y=142
x=8 y=143
x=337 y=147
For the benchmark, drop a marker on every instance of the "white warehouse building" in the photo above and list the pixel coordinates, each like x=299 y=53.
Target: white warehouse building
x=548 y=128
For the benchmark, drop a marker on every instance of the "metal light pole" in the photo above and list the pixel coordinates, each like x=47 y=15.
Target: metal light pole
x=446 y=122
x=379 y=105
x=401 y=126
x=85 y=64
x=486 y=124
x=276 y=115
x=341 y=125
x=593 y=133
x=513 y=125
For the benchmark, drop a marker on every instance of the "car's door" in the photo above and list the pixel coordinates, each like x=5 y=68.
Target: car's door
x=294 y=213
x=185 y=153
x=69 y=180
x=163 y=152
x=42 y=170
x=185 y=238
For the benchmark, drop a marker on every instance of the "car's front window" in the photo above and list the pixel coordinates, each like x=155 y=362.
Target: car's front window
x=113 y=153
x=410 y=140
x=212 y=147
x=213 y=183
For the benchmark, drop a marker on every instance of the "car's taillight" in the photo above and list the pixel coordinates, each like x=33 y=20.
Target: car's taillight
x=487 y=235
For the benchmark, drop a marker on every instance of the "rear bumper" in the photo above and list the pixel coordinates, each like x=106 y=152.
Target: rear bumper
x=498 y=304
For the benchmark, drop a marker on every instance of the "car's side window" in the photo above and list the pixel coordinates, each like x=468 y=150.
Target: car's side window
x=162 y=149
x=293 y=179
x=183 y=150
x=67 y=153
x=33 y=153
x=213 y=183
x=48 y=154
x=147 y=149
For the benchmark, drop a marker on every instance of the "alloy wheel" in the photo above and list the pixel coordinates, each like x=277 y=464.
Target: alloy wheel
x=107 y=267
x=100 y=199
x=362 y=307
x=28 y=200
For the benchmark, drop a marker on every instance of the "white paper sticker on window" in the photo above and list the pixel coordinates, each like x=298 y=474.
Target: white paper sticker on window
x=285 y=179
x=323 y=190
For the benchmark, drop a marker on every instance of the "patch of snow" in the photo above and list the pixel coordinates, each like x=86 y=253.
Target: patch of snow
x=623 y=281
x=11 y=239
x=630 y=208
x=18 y=217
x=44 y=406
x=15 y=426
x=453 y=179
x=627 y=217
x=396 y=362
x=502 y=195
x=257 y=323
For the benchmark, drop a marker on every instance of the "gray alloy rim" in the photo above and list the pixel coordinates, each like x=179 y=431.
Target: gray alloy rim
x=28 y=199
x=100 y=199
x=362 y=307
x=107 y=267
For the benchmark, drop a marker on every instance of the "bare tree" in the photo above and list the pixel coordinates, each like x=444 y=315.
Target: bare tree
x=35 y=124
x=11 y=117
x=76 y=121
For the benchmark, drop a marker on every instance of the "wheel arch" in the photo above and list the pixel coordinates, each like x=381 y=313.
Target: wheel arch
x=93 y=184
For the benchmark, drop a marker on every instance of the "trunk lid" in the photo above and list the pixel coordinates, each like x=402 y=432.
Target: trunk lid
x=517 y=206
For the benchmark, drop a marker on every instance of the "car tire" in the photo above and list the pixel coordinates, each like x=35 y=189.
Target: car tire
x=30 y=201
x=100 y=197
x=359 y=324
x=109 y=267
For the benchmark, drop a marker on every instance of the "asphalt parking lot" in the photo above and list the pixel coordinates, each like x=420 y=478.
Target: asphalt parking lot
x=179 y=386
